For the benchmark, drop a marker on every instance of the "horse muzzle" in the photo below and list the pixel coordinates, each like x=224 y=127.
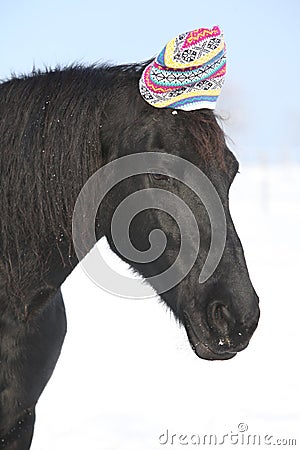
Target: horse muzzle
x=220 y=330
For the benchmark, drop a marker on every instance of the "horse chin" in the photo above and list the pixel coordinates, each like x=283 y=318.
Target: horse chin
x=202 y=349
x=204 y=352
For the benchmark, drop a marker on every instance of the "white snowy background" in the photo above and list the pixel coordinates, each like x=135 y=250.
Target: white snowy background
x=127 y=373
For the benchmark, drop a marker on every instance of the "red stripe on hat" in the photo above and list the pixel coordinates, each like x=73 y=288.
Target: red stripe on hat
x=199 y=35
x=154 y=87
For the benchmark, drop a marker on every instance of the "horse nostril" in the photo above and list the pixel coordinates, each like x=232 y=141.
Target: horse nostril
x=219 y=317
x=219 y=312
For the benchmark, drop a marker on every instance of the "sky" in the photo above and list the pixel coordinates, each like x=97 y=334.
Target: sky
x=260 y=103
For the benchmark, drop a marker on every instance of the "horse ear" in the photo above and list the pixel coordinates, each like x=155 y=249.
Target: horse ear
x=188 y=73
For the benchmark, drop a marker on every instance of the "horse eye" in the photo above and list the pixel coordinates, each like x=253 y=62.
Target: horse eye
x=159 y=177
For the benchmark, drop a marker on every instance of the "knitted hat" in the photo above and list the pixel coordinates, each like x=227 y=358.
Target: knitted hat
x=188 y=73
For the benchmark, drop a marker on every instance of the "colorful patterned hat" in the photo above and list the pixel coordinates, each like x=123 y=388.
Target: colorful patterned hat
x=188 y=73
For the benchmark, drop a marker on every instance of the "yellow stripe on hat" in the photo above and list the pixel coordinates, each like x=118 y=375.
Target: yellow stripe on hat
x=169 y=52
x=212 y=93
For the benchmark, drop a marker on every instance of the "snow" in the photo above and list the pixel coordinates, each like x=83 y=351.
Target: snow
x=127 y=374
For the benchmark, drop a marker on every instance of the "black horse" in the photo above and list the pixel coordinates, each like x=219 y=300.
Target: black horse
x=57 y=128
